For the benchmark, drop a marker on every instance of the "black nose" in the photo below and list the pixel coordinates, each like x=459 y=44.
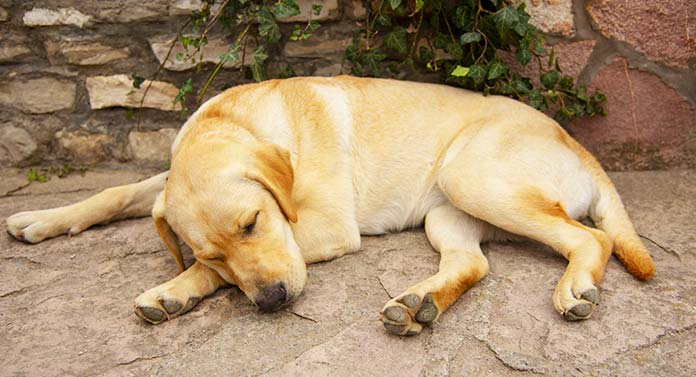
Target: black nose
x=272 y=297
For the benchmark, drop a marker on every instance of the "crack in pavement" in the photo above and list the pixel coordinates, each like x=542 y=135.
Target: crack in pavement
x=12 y=195
x=665 y=249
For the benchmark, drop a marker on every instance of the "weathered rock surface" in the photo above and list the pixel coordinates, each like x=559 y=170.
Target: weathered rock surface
x=216 y=47
x=60 y=16
x=4 y=15
x=661 y=29
x=647 y=126
x=152 y=146
x=16 y=144
x=41 y=95
x=118 y=90
x=316 y=47
x=84 y=148
x=551 y=16
x=82 y=51
x=67 y=303
x=572 y=58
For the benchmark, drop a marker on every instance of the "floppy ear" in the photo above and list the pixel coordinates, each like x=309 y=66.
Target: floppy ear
x=165 y=231
x=274 y=171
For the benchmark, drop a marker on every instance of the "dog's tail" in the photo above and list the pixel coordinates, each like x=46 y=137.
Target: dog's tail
x=609 y=214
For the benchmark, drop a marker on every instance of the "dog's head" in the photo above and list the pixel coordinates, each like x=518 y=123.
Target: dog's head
x=229 y=197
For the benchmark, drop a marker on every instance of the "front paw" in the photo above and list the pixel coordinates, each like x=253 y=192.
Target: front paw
x=161 y=303
x=36 y=226
x=406 y=314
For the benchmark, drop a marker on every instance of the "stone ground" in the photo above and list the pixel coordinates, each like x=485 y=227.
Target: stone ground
x=66 y=304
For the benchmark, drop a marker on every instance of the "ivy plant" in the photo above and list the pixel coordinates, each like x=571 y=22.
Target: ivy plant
x=468 y=43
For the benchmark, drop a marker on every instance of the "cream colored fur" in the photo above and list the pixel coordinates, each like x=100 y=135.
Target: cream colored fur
x=310 y=164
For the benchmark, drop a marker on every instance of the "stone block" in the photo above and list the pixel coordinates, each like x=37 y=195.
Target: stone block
x=216 y=47
x=60 y=16
x=551 y=16
x=329 y=11
x=4 y=15
x=118 y=90
x=84 y=148
x=316 y=47
x=79 y=51
x=355 y=10
x=41 y=95
x=152 y=146
x=663 y=30
x=16 y=144
x=648 y=124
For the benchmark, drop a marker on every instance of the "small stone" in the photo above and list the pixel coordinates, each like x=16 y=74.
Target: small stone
x=329 y=11
x=83 y=148
x=42 y=95
x=118 y=90
x=211 y=53
x=61 y=16
x=647 y=126
x=316 y=48
x=16 y=144
x=355 y=9
x=659 y=28
x=4 y=15
x=125 y=11
x=153 y=146
x=9 y=53
x=184 y=7
x=329 y=71
x=555 y=17
x=82 y=52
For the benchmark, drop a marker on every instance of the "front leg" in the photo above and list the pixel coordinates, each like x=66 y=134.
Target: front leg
x=456 y=235
x=178 y=295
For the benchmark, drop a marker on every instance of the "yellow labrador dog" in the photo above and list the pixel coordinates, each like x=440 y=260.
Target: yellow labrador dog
x=266 y=178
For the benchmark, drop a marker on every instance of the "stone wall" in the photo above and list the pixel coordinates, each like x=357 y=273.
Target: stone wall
x=65 y=68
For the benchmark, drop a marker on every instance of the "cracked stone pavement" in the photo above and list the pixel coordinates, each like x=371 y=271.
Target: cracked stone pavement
x=66 y=304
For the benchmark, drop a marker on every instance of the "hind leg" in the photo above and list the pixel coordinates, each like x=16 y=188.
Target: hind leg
x=456 y=236
x=115 y=203
x=518 y=201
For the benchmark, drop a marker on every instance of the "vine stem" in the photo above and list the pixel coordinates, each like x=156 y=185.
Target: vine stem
x=157 y=72
x=221 y=63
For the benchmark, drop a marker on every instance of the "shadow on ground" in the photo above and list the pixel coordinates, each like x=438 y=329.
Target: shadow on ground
x=66 y=304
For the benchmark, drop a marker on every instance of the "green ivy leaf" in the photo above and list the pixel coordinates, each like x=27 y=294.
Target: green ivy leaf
x=180 y=98
x=566 y=83
x=258 y=58
x=425 y=54
x=419 y=5
x=505 y=18
x=316 y=9
x=523 y=56
x=536 y=100
x=460 y=71
x=470 y=37
x=394 y=3
x=268 y=28
x=549 y=79
x=232 y=54
x=286 y=8
x=137 y=81
x=397 y=40
x=496 y=69
x=477 y=73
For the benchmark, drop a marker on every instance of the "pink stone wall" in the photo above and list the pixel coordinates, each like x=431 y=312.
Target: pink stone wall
x=65 y=65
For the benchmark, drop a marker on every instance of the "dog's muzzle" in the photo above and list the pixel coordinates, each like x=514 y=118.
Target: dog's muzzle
x=272 y=297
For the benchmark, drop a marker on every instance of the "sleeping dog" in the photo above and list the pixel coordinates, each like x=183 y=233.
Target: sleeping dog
x=267 y=178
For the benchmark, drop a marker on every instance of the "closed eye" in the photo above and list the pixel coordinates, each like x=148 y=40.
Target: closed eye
x=249 y=227
x=216 y=258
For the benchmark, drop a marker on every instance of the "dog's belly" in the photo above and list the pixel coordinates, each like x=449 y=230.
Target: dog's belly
x=401 y=211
